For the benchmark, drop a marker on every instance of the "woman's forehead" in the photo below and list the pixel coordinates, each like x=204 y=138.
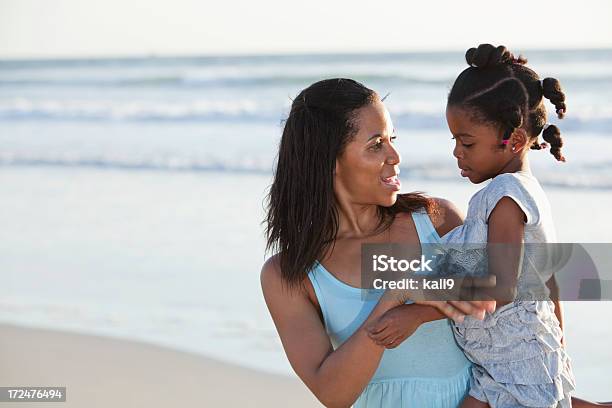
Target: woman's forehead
x=374 y=119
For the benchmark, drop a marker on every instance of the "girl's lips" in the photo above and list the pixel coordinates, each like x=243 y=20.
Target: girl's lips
x=392 y=182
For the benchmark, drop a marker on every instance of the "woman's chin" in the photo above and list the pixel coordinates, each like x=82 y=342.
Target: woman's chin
x=389 y=200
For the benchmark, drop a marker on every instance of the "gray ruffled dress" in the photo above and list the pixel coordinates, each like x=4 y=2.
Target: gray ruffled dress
x=517 y=353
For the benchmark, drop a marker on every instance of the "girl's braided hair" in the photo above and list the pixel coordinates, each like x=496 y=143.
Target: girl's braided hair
x=499 y=88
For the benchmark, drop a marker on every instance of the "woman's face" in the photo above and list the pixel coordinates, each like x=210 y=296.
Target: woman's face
x=367 y=170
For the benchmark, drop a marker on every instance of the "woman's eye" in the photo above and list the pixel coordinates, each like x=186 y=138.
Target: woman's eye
x=377 y=145
x=392 y=138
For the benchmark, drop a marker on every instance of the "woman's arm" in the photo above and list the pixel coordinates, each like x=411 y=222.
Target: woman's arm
x=335 y=377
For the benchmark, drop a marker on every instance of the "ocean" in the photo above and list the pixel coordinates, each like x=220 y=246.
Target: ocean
x=132 y=188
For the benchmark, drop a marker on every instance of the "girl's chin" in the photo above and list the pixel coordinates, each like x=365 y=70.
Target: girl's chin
x=473 y=177
x=476 y=180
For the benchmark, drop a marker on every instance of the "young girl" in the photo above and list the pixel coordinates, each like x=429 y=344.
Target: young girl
x=495 y=112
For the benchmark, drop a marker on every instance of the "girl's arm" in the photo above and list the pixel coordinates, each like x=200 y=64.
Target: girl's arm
x=397 y=324
x=559 y=314
x=554 y=296
x=506 y=226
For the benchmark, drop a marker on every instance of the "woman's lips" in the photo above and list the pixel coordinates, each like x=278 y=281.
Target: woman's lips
x=392 y=182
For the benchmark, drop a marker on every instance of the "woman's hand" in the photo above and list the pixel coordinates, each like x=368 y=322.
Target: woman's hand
x=458 y=309
x=395 y=326
x=446 y=301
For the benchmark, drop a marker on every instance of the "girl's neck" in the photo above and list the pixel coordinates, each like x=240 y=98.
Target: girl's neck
x=517 y=164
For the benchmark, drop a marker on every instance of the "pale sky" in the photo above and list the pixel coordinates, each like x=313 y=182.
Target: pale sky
x=83 y=28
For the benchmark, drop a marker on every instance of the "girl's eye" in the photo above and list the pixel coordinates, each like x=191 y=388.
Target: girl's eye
x=393 y=138
x=463 y=144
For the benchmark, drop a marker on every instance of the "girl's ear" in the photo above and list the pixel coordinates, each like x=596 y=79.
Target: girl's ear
x=518 y=139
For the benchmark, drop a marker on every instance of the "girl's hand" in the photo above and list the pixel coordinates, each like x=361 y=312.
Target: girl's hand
x=395 y=326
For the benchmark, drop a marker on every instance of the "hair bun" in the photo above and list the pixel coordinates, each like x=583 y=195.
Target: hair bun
x=551 y=88
x=553 y=136
x=487 y=55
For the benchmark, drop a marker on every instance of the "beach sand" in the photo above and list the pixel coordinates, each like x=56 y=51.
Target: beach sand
x=105 y=372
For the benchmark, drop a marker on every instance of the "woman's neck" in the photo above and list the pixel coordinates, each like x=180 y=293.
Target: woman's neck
x=357 y=220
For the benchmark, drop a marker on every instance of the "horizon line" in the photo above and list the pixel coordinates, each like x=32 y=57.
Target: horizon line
x=264 y=54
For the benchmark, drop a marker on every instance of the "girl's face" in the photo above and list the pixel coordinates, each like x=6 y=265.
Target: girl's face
x=367 y=170
x=477 y=146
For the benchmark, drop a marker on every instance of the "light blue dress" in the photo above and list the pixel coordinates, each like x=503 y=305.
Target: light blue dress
x=427 y=370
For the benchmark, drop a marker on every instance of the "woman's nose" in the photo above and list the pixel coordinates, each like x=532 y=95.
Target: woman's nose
x=394 y=156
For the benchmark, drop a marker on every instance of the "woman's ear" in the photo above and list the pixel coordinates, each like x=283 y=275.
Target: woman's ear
x=518 y=139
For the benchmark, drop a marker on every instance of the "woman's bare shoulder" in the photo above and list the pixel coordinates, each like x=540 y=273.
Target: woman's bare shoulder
x=446 y=217
x=270 y=276
x=273 y=283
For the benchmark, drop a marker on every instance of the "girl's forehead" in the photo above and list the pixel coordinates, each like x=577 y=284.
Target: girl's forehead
x=461 y=118
x=464 y=123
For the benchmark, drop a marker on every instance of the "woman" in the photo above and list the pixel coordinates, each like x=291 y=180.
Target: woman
x=336 y=187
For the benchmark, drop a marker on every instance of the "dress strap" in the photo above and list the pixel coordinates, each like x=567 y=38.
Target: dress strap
x=425 y=228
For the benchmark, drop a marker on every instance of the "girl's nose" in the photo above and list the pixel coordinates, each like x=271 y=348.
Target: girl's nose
x=457 y=152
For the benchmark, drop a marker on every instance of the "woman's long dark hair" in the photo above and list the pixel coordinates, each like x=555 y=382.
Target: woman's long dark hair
x=302 y=218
